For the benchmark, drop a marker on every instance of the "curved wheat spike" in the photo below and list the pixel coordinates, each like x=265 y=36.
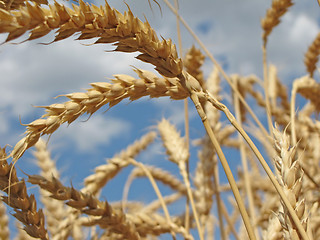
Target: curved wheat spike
x=273 y=15
x=311 y=57
x=102 y=174
x=106 y=172
x=272 y=19
x=101 y=93
x=126 y=31
x=309 y=89
x=24 y=205
x=87 y=204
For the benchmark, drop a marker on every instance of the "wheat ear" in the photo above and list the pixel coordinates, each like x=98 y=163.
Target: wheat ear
x=311 y=57
x=102 y=93
x=108 y=25
x=162 y=176
x=192 y=62
x=273 y=15
x=87 y=204
x=104 y=173
x=25 y=206
x=272 y=19
x=54 y=210
x=178 y=154
x=15 y=4
x=290 y=177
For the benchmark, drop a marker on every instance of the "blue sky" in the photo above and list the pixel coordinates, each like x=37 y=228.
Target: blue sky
x=33 y=74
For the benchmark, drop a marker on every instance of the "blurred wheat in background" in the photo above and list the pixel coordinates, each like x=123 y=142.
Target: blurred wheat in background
x=272 y=194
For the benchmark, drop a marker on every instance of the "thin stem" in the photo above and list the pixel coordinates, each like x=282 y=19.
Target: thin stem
x=219 y=202
x=266 y=88
x=292 y=114
x=230 y=223
x=186 y=121
x=248 y=188
x=190 y=196
x=156 y=189
x=225 y=166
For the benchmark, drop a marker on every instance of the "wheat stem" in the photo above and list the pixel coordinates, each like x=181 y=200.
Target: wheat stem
x=225 y=165
x=248 y=187
x=156 y=189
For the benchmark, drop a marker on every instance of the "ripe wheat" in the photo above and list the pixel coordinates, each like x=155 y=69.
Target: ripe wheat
x=286 y=209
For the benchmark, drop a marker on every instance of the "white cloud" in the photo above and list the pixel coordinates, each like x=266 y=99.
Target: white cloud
x=303 y=28
x=97 y=131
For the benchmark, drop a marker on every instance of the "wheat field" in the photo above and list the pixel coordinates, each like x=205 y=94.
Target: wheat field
x=270 y=125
